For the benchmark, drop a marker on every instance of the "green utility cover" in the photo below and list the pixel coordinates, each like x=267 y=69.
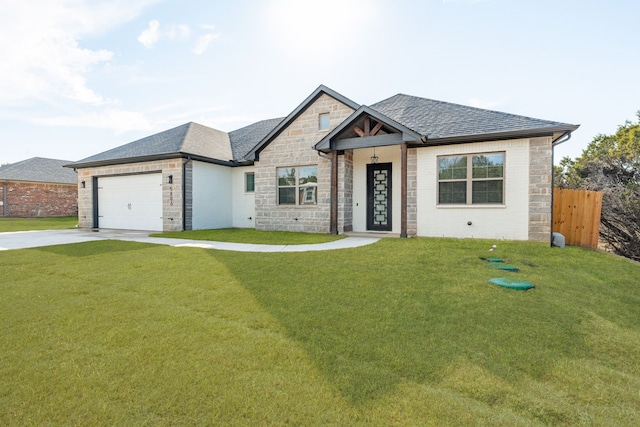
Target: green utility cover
x=512 y=283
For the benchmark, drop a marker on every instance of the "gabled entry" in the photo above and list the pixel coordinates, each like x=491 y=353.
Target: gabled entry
x=379 y=197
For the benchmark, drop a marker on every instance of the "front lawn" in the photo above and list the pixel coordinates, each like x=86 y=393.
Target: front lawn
x=26 y=224
x=250 y=235
x=402 y=332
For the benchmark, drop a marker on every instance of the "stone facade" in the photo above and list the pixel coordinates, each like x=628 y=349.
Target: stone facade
x=37 y=199
x=540 y=188
x=172 y=219
x=294 y=148
x=345 y=192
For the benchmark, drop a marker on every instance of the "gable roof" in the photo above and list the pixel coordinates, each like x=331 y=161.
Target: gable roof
x=39 y=169
x=413 y=119
x=322 y=89
x=244 y=139
x=446 y=122
x=188 y=139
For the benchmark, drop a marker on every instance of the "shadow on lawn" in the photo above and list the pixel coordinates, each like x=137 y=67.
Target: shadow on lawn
x=373 y=316
x=86 y=249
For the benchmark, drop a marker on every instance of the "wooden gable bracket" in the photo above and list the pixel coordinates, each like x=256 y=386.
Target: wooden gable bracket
x=367 y=128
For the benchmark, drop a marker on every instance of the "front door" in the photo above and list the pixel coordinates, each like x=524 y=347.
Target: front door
x=379 y=197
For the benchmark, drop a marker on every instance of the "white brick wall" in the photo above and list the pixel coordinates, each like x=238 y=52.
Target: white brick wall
x=508 y=221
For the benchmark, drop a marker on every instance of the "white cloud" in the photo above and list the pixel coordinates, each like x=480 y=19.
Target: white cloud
x=42 y=58
x=203 y=42
x=151 y=35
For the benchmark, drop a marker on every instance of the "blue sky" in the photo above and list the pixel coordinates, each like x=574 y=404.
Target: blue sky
x=80 y=77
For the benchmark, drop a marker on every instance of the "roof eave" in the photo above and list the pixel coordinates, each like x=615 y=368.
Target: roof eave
x=496 y=136
x=142 y=159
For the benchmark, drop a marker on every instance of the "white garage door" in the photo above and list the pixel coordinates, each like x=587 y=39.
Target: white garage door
x=132 y=202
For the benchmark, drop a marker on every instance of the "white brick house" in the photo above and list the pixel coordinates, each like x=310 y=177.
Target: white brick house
x=405 y=165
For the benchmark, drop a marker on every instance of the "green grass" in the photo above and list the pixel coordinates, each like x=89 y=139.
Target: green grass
x=402 y=332
x=250 y=235
x=26 y=224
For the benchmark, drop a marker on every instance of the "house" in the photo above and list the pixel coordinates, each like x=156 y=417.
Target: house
x=38 y=187
x=405 y=165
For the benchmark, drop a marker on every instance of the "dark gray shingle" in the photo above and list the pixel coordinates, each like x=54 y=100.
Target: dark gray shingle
x=190 y=138
x=445 y=120
x=244 y=139
x=39 y=169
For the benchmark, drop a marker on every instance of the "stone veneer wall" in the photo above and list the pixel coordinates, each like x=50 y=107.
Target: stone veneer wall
x=540 y=188
x=293 y=148
x=171 y=193
x=345 y=192
x=412 y=192
x=37 y=199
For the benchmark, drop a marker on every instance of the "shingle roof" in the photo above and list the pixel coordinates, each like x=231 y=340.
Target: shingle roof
x=445 y=120
x=39 y=169
x=190 y=138
x=244 y=139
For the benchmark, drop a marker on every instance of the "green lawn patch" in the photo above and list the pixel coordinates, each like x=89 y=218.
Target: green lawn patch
x=27 y=224
x=250 y=235
x=402 y=332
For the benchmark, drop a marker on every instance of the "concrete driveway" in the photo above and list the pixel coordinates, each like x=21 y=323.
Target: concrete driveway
x=33 y=239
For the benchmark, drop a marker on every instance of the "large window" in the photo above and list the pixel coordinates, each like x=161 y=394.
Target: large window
x=298 y=186
x=471 y=179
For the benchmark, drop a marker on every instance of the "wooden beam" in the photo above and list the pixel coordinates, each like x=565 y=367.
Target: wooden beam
x=376 y=128
x=403 y=190
x=359 y=131
x=368 y=141
x=367 y=126
x=334 y=193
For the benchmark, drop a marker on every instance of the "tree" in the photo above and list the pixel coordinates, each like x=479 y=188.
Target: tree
x=611 y=164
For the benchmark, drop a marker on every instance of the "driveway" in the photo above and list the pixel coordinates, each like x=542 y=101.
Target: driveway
x=33 y=239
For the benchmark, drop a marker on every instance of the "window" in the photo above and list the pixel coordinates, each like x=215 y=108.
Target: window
x=323 y=121
x=298 y=186
x=471 y=179
x=249 y=182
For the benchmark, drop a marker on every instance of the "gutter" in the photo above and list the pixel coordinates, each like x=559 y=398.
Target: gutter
x=559 y=140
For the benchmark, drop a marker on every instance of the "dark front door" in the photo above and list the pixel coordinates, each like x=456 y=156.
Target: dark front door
x=379 y=197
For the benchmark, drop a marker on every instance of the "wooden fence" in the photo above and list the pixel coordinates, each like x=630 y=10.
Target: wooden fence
x=576 y=215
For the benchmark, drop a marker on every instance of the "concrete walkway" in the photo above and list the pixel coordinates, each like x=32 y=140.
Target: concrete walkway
x=33 y=239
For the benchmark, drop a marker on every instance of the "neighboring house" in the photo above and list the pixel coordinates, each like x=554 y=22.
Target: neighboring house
x=38 y=187
x=405 y=165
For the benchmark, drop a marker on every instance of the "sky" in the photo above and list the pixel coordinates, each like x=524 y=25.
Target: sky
x=78 y=77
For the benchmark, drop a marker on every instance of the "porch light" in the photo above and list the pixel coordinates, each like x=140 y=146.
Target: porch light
x=170 y=179
x=374 y=158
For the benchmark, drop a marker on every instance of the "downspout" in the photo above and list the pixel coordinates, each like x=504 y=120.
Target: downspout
x=333 y=226
x=559 y=140
x=184 y=193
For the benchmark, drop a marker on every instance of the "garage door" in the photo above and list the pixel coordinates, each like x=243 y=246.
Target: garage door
x=132 y=202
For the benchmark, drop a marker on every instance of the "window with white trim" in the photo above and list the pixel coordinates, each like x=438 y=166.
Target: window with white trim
x=471 y=179
x=298 y=185
x=249 y=182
